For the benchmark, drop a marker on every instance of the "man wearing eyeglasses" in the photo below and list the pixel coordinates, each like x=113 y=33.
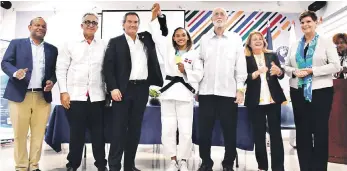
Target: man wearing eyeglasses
x=82 y=92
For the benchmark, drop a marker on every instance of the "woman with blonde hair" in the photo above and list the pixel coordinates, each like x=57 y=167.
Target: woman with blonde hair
x=264 y=97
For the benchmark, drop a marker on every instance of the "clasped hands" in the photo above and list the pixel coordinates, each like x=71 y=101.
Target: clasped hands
x=301 y=73
x=156 y=10
x=274 y=70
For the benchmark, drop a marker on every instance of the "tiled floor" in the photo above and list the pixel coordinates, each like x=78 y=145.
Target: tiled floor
x=151 y=159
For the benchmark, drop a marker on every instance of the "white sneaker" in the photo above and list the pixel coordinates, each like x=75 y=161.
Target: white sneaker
x=173 y=166
x=183 y=166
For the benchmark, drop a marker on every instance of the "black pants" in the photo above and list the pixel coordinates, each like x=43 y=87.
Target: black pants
x=82 y=115
x=126 y=125
x=311 y=120
x=258 y=115
x=211 y=107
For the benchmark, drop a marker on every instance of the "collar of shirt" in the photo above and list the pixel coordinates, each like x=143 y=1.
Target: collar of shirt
x=129 y=38
x=83 y=39
x=225 y=34
x=33 y=43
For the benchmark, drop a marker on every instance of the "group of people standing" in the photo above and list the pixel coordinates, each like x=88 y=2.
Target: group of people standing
x=86 y=69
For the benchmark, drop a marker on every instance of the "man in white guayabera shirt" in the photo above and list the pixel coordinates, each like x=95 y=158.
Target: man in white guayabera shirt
x=221 y=89
x=82 y=92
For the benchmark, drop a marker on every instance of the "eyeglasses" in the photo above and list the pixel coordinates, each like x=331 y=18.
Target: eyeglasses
x=219 y=14
x=88 y=22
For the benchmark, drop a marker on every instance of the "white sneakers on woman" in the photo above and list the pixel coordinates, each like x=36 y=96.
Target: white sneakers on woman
x=175 y=167
x=183 y=165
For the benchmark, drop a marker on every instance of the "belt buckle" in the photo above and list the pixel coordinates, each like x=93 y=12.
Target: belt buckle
x=135 y=81
x=31 y=90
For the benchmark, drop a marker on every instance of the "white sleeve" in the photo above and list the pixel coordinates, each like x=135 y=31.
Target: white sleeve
x=62 y=66
x=333 y=66
x=240 y=65
x=195 y=73
x=159 y=40
x=288 y=68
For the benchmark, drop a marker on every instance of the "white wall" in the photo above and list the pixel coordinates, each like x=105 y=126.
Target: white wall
x=334 y=18
x=330 y=8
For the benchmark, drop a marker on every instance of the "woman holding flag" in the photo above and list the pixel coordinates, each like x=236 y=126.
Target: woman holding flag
x=183 y=73
x=310 y=63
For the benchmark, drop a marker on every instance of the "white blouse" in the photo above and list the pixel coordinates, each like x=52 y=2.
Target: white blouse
x=265 y=95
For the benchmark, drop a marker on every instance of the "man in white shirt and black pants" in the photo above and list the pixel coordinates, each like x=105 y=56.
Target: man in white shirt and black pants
x=82 y=92
x=221 y=89
x=130 y=67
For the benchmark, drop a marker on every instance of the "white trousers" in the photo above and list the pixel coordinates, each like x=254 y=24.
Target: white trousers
x=177 y=114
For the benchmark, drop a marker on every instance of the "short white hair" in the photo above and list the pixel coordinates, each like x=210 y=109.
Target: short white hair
x=89 y=13
x=223 y=9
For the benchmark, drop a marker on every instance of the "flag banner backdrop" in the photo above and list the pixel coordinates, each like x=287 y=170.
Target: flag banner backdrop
x=198 y=22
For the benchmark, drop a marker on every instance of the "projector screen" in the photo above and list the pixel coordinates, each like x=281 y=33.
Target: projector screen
x=112 y=24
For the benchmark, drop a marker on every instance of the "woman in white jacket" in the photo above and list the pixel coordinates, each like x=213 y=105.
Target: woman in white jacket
x=183 y=72
x=310 y=64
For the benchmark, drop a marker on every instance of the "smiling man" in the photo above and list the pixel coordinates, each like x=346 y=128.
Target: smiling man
x=130 y=67
x=82 y=92
x=30 y=64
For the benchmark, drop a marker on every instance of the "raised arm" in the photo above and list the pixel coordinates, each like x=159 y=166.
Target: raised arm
x=156 y=13
x=158 y=29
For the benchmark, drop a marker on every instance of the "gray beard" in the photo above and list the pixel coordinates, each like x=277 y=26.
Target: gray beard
x=219 y=25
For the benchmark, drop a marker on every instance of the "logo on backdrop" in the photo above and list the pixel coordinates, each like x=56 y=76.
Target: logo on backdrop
x=282 y=52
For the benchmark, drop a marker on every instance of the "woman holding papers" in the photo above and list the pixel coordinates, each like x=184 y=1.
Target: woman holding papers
x=310 y=64
x=183 y=71
x=264 y=97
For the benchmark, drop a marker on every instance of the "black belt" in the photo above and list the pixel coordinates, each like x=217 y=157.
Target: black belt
x=35 y=89
x=176 y=80
x=137 y=81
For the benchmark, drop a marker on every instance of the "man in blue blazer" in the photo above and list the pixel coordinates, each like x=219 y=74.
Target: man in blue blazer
x=30 y=65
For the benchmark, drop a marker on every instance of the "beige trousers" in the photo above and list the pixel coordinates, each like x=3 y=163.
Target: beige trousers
x=32 y=113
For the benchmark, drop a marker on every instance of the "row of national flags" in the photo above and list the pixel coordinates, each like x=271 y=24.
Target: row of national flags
x=268 y=37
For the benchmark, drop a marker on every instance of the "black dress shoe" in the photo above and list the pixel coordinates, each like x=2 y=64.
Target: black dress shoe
x=103 y=169
x=131 y=169
x=37 y=170
x=205 y=168
x=228 y=169
x=70 y=169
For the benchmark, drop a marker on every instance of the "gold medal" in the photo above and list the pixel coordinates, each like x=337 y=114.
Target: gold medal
x=178 y=59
